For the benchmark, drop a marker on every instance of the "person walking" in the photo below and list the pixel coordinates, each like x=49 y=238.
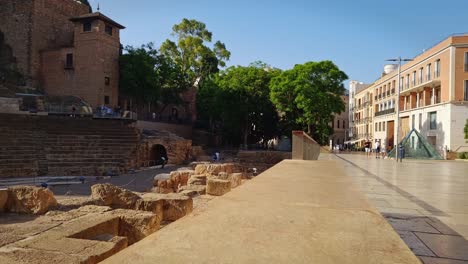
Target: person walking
x=377 y=149
x=367 y=148
x=384 y=151
x=164 y=161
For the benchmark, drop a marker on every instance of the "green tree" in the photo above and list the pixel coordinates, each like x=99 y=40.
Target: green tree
x=148 y=78
x=191 y=54
x=466 y=130
x=308 y=96
x=238 y=99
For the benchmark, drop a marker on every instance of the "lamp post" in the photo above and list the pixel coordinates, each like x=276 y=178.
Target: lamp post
x=399 y=60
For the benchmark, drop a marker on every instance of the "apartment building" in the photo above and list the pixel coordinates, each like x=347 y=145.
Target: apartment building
x=433 y=99
x=363 y=116
x=354 y=87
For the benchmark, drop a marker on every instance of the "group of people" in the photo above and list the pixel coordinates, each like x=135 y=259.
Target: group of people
x=104 y=110
x=381 y=151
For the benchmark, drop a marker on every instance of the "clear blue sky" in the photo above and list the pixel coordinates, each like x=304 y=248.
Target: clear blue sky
x=358 y=35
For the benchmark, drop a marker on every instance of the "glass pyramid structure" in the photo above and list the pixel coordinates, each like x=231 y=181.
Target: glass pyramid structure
x=417 y=147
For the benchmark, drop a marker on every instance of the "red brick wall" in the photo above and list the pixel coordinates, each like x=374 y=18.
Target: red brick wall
x=31 y=26
x=95 y=56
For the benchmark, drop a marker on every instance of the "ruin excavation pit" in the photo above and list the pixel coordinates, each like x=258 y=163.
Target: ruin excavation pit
x=36 y=227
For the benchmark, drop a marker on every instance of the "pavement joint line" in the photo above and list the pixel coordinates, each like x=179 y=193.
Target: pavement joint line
x=405 y=194
x=415 y=233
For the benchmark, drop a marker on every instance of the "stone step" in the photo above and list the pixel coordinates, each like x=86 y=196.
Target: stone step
x=82 y=164
x=89 y=142
x=88 y=149
x=85 y=160
x=57 y=144
x=13 y=161
x=83 y=171
x=18 y=172
x=105 y=155
x=20 y=155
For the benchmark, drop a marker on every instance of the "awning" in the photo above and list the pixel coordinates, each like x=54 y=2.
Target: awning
x=354 y=141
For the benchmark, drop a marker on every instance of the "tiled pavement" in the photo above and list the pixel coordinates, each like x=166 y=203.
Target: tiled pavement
x=426 y=202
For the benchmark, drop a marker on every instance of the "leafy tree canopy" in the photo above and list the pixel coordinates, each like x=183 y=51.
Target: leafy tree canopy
x=238 y=98
x=466 y=129
x=308 y=96
x=192 y=54
x=148 y=77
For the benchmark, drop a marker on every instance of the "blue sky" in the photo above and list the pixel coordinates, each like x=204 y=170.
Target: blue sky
x=358 y=35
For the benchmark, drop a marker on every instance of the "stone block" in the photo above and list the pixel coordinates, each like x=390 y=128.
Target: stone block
x=218 y=187
x=197 y=180
x=214 y=169
x=136 y=225
x=175 y=205
x=180 y=177
x=113 y=196
x=160 y=177
x=30 y=200
x=164 y=186
x=200 y=189
x=189 y=193
x=234 y=178
x=151 y=205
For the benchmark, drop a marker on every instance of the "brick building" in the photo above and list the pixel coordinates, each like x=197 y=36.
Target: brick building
x=61 y=48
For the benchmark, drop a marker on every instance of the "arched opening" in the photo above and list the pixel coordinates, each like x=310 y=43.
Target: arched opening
x=157 y=151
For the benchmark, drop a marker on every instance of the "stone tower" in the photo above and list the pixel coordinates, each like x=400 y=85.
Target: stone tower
x=88 y=69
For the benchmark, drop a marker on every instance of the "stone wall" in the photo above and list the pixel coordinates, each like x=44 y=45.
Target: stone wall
x=179 y=150
x=31 y=26
x=184 y=131
x=9 y=105
x=304 y=147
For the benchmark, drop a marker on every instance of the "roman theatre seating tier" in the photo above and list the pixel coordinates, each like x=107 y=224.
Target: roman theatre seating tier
x=64 y=146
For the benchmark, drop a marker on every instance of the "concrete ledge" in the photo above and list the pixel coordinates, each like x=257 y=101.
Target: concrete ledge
x=295 y=212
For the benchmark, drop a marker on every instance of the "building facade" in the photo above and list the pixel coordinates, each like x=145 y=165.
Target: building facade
x=433 y=99
x=340 y=125
x=354 y=88
x=62 y=49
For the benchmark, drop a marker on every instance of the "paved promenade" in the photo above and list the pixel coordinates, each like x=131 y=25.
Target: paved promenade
x=296 y=212
x=425 y=201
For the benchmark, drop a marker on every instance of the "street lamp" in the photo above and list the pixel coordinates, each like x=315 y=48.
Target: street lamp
x=399 y=60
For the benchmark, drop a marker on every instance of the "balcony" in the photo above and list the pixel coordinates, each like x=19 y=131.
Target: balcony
x=429 y=83
x=385 y=112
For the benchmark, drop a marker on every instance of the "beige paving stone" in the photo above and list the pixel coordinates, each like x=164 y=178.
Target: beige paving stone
x=282 y=216
x=455 y=247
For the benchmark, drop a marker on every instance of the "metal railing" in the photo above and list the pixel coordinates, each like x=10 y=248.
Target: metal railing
x=385 y=112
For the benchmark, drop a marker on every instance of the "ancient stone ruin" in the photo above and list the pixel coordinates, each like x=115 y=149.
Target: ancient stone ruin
x=205 y=178
x=38 y=228
x=84 y=231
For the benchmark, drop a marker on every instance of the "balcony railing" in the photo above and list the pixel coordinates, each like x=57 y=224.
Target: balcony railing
x=385 y=112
